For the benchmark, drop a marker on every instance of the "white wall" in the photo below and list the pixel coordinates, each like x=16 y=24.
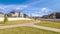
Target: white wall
x=10 y=19
x=1 y=19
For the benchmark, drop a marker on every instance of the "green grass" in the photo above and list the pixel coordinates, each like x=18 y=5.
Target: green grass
x=26 y=30
x=16 y=22
x=49 y=24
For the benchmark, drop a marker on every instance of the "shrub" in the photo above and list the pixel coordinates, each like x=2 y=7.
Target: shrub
x=5 y=18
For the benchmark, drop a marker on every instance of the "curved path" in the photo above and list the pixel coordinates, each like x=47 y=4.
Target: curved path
x=30 y=25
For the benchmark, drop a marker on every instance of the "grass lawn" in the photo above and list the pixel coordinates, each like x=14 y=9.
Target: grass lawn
x=26 y=30
x=16 y=22
x=49 y=24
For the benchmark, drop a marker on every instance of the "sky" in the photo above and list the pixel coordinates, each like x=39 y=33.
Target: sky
x=30 y=7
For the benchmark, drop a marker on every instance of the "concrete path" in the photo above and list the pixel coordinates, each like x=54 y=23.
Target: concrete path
x=30 y=25
x=47 y=28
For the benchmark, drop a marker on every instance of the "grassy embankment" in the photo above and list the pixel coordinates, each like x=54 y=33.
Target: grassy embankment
x=49 y=24
x=26 y=30
x=16 y=22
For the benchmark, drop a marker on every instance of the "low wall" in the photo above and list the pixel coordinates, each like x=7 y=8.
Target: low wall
x=10 y=19
x=1 y=19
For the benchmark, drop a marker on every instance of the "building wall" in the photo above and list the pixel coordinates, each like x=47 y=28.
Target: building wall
x=1 y=15
x=51 y=16
x=17 y=14
x=58 y=15
x=21 y=15
x=55 y=15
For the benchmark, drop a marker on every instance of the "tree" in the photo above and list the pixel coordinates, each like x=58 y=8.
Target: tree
x=5 y=18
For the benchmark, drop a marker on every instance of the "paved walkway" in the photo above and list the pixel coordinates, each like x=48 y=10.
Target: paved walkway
x=30 y=25
x=47 y=28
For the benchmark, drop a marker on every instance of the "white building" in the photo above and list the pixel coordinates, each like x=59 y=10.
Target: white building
x=17 y=14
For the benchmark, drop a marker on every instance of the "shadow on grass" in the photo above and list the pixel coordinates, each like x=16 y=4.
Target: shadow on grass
x=2 y=22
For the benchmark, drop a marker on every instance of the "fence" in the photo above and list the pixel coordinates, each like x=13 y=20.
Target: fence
x=57 y=20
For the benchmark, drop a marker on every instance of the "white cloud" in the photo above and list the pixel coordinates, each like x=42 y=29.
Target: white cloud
x=13 y=6
x=36 y=15
x=45 y=9
x=39 y=11
x=1 y=8
x=9 y=8
x=20 y=7
x=17 y=8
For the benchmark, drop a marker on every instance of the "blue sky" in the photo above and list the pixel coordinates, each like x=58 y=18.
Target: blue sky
x=33 y=7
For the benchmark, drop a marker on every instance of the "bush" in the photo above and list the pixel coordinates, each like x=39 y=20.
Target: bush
x=5 y=18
